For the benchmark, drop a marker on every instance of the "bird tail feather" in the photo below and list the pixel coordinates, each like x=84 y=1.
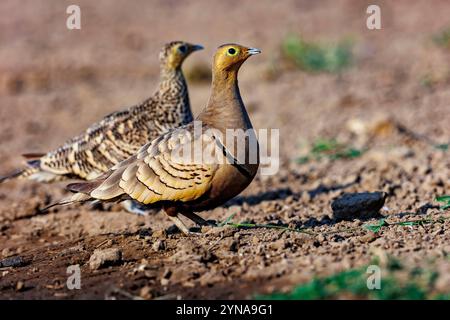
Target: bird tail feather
x=75 y=198
x=33 y=171
x=20 y=174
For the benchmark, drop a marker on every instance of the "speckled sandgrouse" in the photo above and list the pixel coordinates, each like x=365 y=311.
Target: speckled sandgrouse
x=120 y=134
x=158 y=174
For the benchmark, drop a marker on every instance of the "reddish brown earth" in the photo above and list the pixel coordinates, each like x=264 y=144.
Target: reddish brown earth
x=55 y=82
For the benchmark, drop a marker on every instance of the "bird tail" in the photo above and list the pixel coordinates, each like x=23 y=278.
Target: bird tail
x=76 y=198
x=21 y=173
x=81 y=195
x=82 y=191
x=33 y=171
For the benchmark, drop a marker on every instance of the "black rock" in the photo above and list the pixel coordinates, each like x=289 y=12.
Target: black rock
x=13 y=262
x=358 y=205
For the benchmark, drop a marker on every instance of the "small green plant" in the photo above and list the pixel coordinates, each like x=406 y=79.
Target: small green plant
x=226 y=221
x=353 y=284
x=443 y=146
x=377 y=226
x=383 y=223
x=314 y=57
x=442 y=38
x=246 y=225
x=371 y=227
x=445 y=200
x=331 y=149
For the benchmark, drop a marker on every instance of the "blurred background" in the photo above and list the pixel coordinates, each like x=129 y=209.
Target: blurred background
x=55 y=81
x=358 y=110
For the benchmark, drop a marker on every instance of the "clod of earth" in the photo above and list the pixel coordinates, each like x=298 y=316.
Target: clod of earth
x=358 y=205
x=104 y=258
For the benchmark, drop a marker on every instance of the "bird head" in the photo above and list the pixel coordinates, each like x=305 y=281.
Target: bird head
x=230 y=57
x=173 y=53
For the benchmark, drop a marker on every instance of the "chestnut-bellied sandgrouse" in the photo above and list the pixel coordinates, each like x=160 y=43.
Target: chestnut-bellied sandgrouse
x=120 y=134
x=195 y=167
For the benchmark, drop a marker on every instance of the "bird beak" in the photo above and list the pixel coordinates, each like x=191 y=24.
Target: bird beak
x=252 y=51
x=196 y=47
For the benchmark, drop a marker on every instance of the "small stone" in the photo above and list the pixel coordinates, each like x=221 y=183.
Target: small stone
x=167 y=274
x=13 y=262
x=234 y=246
x=173 y=229
x=144 y=233
x=207 y=257
x=164 y=281
x=369 y=237
x=159 y=245
x=6 y=252
x=278 y=245
x=104 y=258
x=20 y=286
x=358 y=205
x=146 y=293
x=159 y=234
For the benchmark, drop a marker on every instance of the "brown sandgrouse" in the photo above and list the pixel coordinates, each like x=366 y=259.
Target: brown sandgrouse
x=195 y=167
x=120 y=135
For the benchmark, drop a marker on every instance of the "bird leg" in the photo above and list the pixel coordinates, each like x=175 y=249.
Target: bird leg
x=194 y=217
x=172 y=213
x=180 y=225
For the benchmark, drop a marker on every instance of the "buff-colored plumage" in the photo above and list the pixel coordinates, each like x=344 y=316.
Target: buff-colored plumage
x=167 y=171
x=120 y=134
x=154 y=174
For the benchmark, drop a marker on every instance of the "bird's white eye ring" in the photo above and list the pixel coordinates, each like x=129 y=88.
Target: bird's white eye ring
x=232 y=52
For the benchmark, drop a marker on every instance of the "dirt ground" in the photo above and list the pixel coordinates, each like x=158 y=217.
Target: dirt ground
x=55 y=82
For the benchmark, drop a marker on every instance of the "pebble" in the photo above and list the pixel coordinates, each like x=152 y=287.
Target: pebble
x=13 y=262
x=167 y=274
x=160 y=233
x=159 y=245
x=234 y=246
x=146 y=293
x=6 y=252
x=104 y=258
x=369 y=237
x=20 y=286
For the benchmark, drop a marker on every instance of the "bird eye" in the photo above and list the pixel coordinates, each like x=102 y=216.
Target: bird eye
x=182 y=49
x=232 y=52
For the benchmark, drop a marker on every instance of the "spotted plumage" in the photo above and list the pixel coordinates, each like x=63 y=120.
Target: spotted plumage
x=120 y=134
x=167 y=170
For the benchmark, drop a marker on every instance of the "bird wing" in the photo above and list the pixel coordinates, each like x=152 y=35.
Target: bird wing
x=165 y=169
x=104 y=144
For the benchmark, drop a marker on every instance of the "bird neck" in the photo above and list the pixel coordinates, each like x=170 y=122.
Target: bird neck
x=173 y=91
x=169 y=76
x=225 y=109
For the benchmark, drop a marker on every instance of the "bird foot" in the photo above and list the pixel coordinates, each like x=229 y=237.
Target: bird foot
x=182 y=227
x=199 y=220
x=136 y=208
